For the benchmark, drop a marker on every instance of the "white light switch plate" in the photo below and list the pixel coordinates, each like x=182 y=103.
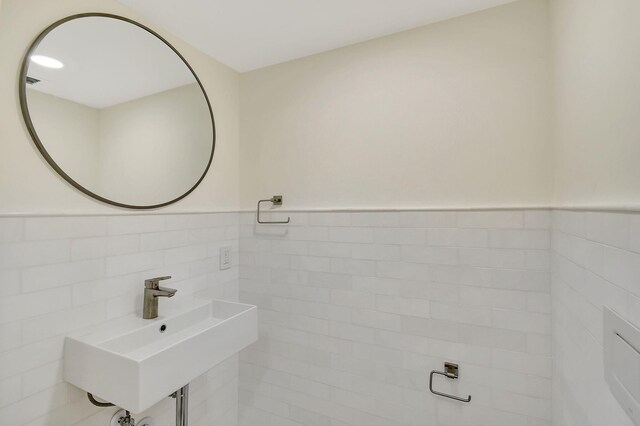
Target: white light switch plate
x=225 y=257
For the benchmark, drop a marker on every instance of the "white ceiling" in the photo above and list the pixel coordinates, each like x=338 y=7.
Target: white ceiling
x=250 y=34
x=107 y=62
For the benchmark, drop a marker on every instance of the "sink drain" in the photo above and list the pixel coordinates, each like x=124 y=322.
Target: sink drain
x=163 y=328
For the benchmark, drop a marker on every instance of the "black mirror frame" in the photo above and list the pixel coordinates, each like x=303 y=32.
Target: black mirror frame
x=34 y=136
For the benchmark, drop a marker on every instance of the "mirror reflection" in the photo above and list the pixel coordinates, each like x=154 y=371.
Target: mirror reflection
x=117 y=112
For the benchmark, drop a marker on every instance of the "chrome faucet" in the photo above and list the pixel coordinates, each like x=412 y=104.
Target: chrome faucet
x=152 y=291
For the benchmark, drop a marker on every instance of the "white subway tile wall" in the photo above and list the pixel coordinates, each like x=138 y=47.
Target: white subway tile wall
x=355 y=309
x=596 y=263
x=58 y=274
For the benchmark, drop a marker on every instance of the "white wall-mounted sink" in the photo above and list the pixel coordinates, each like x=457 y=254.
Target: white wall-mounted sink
x=131 y=363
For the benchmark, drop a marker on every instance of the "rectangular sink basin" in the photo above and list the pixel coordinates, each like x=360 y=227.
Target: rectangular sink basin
x=134 y=363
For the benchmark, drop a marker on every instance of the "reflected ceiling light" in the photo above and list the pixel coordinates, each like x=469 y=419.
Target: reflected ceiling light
x=46 y=61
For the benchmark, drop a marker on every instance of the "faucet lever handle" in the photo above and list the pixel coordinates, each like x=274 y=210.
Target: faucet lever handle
x=154 y=283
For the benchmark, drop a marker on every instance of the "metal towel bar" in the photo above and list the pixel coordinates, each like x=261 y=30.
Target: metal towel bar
x=276 y=200
x=450 y=372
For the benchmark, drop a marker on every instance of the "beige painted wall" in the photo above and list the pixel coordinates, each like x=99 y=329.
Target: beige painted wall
x=29 y=185
x=453 y=114
x=597 y=88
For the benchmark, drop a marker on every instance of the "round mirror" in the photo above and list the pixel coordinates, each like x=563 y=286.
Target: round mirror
x=117 y=111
